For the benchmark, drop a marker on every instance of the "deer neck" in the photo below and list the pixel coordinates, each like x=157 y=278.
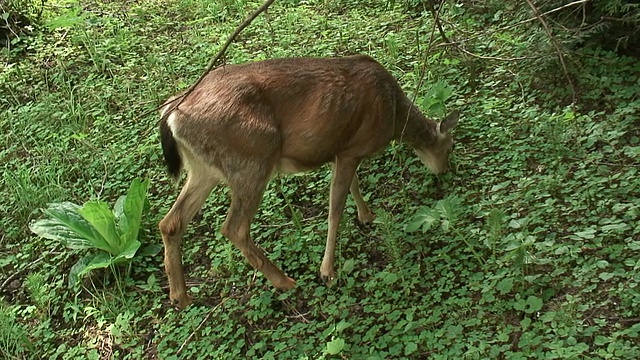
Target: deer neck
x=413 y=128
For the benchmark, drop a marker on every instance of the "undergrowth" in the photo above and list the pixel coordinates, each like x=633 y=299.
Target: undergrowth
x=528 y=248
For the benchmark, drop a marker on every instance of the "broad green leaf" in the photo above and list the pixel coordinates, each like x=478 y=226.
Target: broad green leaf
x=449 y=208
x=65 y=224
x=495 y=221
x=410 y=348
x=505 y=285
x=150 y=250
x=413 y=225
x=128 y=210
x=67 y=20
x=619 y=227
x=335 y=346
x=128 y=252
x=98 y=261
x=534 y=304
x=74 y=278
x=342 y=325
x=100 y=216
x=389 y=278
x=86 y=264
x=348 y=266
x=425 y=218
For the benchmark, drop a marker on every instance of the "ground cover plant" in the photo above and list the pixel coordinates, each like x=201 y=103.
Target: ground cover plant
x=528 y=248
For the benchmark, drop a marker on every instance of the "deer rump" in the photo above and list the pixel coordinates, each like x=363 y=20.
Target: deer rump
x=243 y=123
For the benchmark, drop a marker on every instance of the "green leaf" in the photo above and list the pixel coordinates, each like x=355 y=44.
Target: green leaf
x=587 y=234
x=533 y=304
x=150 y=250
x=495 y=221
x=98 y=261
x=413 y=225
x=66 y=20
x=74 y=278
x=449 y=208
x=410 y=348
x=151 y=281
x=389 y=278
x=103 y=220
x=65 y=224
x=128 y=210
x=335 y=346
x=618 y=226
x=127 y=253
x=86 y=264
x=342 y=325
x=505 y=285
x=424 y=218
x=348 y=266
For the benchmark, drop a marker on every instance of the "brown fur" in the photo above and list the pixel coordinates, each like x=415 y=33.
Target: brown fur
x=244 y=123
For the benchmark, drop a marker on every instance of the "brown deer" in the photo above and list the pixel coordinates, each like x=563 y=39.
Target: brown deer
x=244 y=123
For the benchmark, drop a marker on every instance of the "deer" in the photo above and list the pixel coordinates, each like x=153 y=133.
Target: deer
x=245 y=123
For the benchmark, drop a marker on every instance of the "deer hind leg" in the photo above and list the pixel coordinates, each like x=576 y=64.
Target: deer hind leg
x=342 y=179
x=364 y=214
x=246 y=194
x=192 y=196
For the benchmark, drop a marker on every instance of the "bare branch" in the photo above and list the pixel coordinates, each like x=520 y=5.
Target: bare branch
x=556 y=45
x=212 y=64
x=491 y=31
x=197 y=329
x=499 y=58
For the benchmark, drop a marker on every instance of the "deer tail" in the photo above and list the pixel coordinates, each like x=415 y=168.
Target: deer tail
x=169 y=146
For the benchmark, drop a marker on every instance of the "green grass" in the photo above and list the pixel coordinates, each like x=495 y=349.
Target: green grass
x=529 y=248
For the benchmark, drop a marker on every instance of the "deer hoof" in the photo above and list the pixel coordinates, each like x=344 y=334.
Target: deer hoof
x=182 y=301
x=327 y=279
x=366 y=218
x=286 y=284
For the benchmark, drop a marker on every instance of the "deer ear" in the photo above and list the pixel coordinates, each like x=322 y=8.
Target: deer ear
x=449 y=122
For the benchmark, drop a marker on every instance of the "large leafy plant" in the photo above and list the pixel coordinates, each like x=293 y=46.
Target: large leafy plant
x=94 y=226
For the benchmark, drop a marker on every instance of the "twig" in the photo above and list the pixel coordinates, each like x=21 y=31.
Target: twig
x=193 y=333
x=491 y=31
x=546 y=13
x=499 y=58
x=4 y=283
x=555 y=44
x=447 y=41
x=436 y=20
x=174 y=103
x=423 y=69
x=299 y=315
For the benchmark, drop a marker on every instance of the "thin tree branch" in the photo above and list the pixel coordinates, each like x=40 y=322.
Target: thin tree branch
x=499 y=58
x=553 y=40
x=197 y=329
x=491 y=31
x=447 y=41
x=174 y=103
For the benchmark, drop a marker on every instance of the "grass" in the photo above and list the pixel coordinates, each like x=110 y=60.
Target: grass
x=529 y=248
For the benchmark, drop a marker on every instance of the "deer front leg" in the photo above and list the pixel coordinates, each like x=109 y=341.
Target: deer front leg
x=364 y=214
x=172 y=228
x=341 y=180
